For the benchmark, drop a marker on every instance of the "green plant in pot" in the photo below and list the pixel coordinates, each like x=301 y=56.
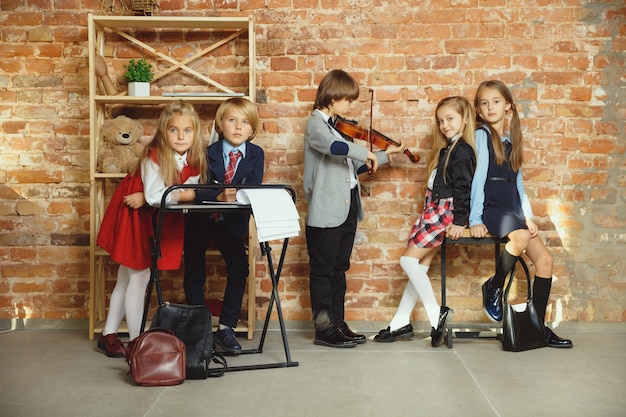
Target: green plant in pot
x=138 y=74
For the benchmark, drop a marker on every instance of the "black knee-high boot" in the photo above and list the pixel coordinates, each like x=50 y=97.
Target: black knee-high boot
x=541 y=294
x=505 y=264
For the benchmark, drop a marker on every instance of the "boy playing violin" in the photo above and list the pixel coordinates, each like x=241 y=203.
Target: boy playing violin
x=331 y=187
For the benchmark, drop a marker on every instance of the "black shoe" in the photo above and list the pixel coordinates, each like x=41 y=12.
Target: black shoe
x=359 y=338
x=227 y=340
x=492 y=301
x=387 y=336
x=436 y=335
x=552 y=340
x=333 y=337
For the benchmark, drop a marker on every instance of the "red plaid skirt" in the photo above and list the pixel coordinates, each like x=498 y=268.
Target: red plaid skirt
x=430 y=229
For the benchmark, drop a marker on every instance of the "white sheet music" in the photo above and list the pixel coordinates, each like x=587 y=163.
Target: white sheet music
x=274 y=212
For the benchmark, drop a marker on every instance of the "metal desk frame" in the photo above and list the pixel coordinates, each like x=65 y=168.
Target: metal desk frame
x=266 y=250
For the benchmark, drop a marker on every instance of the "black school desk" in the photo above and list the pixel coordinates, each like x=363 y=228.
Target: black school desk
x=265 y=250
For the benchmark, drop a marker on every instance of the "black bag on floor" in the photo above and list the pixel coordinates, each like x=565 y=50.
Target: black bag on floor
x=192 y=325
x=522 y=329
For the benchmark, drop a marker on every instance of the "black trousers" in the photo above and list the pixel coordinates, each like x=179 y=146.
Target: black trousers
x=200 y=228
x=329 y=259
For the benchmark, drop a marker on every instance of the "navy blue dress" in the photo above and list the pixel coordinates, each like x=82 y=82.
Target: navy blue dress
x=502 y=211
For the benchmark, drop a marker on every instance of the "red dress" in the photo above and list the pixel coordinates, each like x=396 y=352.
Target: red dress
x=125 y=232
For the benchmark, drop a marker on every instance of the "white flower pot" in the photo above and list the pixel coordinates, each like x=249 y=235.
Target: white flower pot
x=139 y=89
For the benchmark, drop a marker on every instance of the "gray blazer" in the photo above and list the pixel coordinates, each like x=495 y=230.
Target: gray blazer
x=326 y=173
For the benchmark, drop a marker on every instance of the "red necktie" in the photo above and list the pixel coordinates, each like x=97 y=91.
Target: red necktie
x=233 y=156
x=230 y=170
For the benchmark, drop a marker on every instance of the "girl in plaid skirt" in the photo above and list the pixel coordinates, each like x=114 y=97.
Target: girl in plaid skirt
x=446 y=209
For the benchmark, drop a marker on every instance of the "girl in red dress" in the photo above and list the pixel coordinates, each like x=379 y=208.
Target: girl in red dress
x=175 y=156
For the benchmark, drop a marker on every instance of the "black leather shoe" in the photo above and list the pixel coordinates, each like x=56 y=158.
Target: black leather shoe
x=555 y=341
x=387 y=336
x=226 y=339
x=333 y=337
x=492 y=301
x=436 y=335
x=359 y=338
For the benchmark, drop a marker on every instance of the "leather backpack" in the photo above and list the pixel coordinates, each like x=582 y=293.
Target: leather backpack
x=157 y=358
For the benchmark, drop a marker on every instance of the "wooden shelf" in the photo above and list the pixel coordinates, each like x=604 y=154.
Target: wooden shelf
x=218 y=31
x=157 y=100
x=171 y=22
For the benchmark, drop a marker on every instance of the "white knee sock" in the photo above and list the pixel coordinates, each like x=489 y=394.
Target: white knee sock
x=116 y=305
x=423 y=287
x=407 y=302
x=135 y=298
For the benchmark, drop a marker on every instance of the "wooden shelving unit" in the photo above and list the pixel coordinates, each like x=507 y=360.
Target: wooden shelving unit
x=203 y=37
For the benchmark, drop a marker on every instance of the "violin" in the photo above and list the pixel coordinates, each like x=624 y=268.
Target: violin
x=351 y=129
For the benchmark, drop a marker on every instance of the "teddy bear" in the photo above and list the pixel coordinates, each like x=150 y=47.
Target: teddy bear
x=120 y=145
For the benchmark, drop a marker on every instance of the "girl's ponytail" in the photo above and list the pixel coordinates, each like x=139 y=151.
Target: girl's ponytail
x=517 y=140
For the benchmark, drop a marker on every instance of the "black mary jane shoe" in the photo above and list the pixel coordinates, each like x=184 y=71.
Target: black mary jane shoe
x=437 y=335
x=388 y=336
x=359 y=338
x=552 y=340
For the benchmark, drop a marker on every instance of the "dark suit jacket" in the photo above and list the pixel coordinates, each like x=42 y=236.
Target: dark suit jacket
x=249 y=171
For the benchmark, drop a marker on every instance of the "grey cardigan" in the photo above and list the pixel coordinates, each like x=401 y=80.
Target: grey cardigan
x=326 y=173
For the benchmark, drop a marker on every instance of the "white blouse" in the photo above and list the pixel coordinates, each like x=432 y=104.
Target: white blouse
x=153 y=184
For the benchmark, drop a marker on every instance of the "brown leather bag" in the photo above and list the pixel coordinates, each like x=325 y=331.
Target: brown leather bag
x=157 y=358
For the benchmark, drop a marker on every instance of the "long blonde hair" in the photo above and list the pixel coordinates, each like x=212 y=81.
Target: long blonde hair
x=517 y=140
x=165 y=156
x=463 y=107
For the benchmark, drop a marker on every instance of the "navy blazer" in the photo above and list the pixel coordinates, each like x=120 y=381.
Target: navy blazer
x=249 y=171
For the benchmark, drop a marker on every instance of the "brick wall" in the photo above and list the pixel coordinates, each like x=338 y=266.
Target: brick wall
x=564 y=61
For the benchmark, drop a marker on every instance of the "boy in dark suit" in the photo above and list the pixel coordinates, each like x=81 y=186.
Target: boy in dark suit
x=233 y=159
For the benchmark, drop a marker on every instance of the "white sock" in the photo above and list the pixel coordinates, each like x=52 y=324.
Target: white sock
x=423 y=287
x=135 y=298
x=116 y=305
x=407 y=303
x=405 y=308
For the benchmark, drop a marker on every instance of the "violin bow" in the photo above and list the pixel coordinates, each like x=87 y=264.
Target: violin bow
x=369 y=132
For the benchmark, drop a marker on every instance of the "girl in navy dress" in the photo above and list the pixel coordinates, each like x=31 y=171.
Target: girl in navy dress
x=500 y=204
x=446 y=209
x=175 y=156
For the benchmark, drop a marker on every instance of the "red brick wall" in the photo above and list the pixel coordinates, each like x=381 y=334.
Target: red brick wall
x=564 y=61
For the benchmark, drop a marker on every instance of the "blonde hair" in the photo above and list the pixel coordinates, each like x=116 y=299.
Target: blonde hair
x=336 y=85
x=517 y=140
x=463 y=107
x=165 y=156
x=246 y=107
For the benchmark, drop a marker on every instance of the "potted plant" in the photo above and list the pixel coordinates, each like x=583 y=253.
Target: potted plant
x=138 y=75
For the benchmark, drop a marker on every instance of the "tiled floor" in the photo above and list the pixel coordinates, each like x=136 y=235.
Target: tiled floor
x=49 y=373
